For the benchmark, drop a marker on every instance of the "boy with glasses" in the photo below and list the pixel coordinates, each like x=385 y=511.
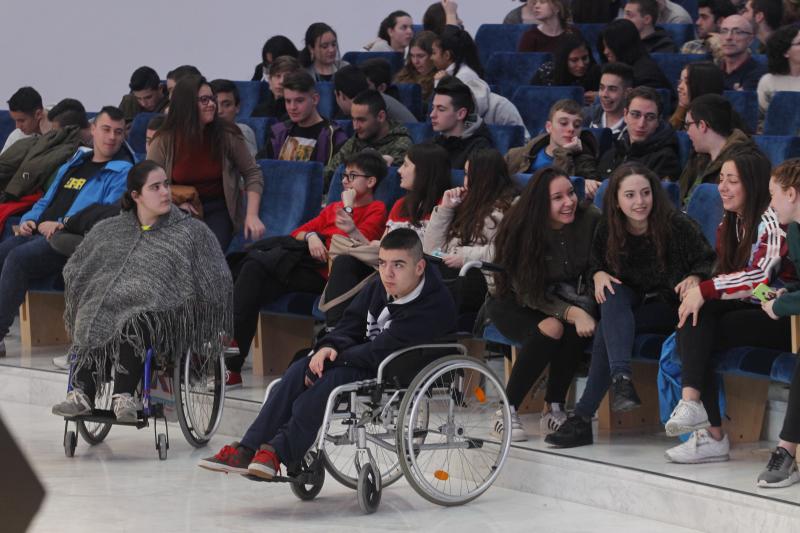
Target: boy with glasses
x=299 y=263
x=647 y=138
x=741 y=72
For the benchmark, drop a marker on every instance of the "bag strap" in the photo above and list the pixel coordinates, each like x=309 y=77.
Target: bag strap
x=324 y=305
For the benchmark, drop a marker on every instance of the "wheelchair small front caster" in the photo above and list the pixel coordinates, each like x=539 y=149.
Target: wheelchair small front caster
x=162 y=446
x=369 y=492
x=70 y=443
x=313 y=473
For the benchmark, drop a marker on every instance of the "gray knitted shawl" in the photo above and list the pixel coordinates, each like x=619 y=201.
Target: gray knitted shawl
x=171 y=280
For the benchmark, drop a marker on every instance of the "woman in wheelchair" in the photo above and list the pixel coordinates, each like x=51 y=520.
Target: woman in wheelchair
x=409 y=305
x=152 y=277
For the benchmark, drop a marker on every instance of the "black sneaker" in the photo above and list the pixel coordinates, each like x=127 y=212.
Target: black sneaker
x=574 y=432
x=624 y=394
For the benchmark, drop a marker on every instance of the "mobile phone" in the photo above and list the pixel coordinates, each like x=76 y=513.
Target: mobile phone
x=764 y=292
x=438 y=253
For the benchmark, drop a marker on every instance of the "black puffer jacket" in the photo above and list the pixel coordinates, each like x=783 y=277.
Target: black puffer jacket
x=659 y=153
x=476 y=137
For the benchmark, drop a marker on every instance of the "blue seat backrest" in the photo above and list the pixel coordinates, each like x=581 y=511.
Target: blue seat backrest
x=346 y=124
x=419 y=131
x=456 y=178
x=782 y=117
x=410 y=95
x=690 y=6
x=672 y=189
x=292 y=193
x=746 y=104
x=684 y=147
x=417 y=28
x=680 y=33
x=388 y=190
x=7 y=125
x=672 y=64
x=534 y=103
x=506 y=137
x=260 y=126
x=761 y=59
x=604 y=139
x=327 y=101
x=778 y=148
x=491 y=38
x=509 y=70
x=591 y=32
x=705 y=207
x=249 y=95
x=395 y=59
x=666 y=102
x=137 y=134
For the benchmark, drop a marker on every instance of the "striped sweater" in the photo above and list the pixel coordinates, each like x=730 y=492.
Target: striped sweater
x=768 y=263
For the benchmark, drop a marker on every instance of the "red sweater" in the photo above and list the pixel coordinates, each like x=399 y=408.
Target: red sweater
x=370 y=221
x=195 y=166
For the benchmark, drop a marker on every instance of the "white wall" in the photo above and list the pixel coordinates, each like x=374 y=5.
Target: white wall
x=87 y=49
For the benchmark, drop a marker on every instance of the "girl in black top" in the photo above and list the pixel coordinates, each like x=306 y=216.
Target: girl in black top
x=573 y=64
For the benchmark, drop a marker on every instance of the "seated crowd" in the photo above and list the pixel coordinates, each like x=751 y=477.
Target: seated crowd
x=574 y=279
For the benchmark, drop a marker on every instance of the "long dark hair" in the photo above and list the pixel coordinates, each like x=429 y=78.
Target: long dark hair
x=658 y=222
x=561 y=73
x=390 y=22
x=738 y=233
x=183 y=125
x=277 y=46
x=623 y=39
x=489 y=188
x=137 y=177
x=461 y=47
x=777 y=45
x=704 y=77
x=520 y=246
x=431 y=179
x=314 y=33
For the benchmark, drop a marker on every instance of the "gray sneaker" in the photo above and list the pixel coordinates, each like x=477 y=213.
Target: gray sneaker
x=76 y=404
x=62 y=362
x=125 y=407
x=781 y=470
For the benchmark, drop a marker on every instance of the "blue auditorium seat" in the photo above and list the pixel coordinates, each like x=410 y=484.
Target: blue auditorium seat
x=492 y=38
x=388 y=190
x=507 y=137
x=137 y=135
x=534 y=103
x=346 y=124
x=410 y=95
x=783 y=368
x=705 y=207
x=782 y=117
x=680 y=33
x=260 y=126
x=395 y=59
x=746 y=104
x=684 y=147
x=249 y=96
x=591 y=32
x=690 y=6
x=778 y=148
x=508 y=70
x=419 y=131
x=604 y=139
x=761 y=59
x=672 y=64
x=292 y=192
x=327 y=100
x=7 y=125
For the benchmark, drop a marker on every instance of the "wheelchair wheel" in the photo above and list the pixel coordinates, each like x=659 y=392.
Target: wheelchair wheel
x=309 y=491
x=199 y=390
x=339 y=450
x=95 y=432
x=369 y=493
x=459 y=459
x=70 y=443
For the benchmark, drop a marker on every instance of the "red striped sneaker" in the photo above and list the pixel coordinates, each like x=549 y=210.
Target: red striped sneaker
x=232 y=458
x=265 y=463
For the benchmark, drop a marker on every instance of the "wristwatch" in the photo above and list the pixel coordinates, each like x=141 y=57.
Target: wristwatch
x=309 y=234
x=348 y=210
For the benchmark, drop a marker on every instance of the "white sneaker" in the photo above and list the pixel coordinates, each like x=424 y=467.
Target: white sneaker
x=61 y=362
x=700 y=448
x=688 y=416
x=125 y=407
x=76 y=404
x=552 y=419
x=517 y=431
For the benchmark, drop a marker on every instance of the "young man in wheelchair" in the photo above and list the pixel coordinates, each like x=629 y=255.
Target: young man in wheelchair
x=409 y=305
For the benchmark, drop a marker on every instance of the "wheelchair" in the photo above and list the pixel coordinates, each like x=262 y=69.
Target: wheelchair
x=198 y=390
x=427 y=416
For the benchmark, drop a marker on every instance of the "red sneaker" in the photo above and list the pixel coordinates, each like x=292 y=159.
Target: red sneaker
x=233 y=380
x=232 y=349
x=232 y=458
x=265 y=463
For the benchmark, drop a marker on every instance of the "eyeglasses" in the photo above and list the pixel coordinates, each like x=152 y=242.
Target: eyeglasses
x=648 y=117
x=687 y=124
x=205 y=99
x=734 y=32
x=350 y=178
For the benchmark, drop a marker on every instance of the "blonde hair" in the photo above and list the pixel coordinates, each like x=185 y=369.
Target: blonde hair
x=787 y=174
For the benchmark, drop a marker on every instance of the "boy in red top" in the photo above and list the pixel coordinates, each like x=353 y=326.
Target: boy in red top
x=261 y=282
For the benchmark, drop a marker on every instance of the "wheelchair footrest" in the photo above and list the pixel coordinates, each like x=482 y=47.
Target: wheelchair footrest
x=103 y=416
x=276 y=479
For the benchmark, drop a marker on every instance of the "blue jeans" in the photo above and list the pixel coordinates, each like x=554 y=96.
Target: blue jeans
x=22 y=260
x=292 y=416
x=623 y=316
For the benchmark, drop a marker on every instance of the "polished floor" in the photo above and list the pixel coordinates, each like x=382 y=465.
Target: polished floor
x=121 y=486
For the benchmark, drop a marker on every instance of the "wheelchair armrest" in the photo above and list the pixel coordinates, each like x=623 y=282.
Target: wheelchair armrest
x=394 y=355
x=483 y=265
